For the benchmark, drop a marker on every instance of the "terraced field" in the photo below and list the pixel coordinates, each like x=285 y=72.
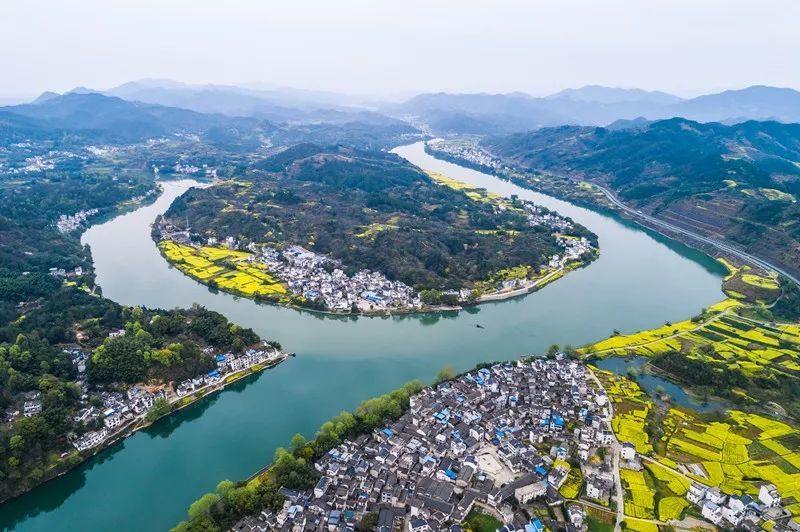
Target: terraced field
x=226 y=269
x=639 y=494
x=474 y=193
x=572 y=486
x=738 y=452
x=631 y=408
x=720 y=336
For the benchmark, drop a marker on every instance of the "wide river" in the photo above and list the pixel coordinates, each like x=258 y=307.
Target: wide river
x=147 y=481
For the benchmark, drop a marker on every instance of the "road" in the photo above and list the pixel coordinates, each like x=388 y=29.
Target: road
x=747 y=257
x=615 y=447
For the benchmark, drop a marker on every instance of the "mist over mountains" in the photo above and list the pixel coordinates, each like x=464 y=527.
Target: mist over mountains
x=151 y=107
x=595 y=106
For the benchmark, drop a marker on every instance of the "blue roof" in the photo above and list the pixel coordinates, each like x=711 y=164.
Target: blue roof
x=540 y=470
x=388 y=432
x=537 y=525
x=451 y=474
x=479 y=380
x=484 y=371
x=213 y=373
x=220 y=358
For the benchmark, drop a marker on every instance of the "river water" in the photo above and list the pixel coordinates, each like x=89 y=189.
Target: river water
x=147 y=481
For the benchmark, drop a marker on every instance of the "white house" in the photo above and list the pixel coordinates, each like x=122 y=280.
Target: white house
x=628 y=451
x=31 y=408
x=768 y=494
x=716 y=496
x=527 y=493
x=712 y=512
x=112 y=420
x=90 y=439
x=696 y=493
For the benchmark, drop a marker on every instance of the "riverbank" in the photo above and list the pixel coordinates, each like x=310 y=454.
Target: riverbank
x=272 y=291
x=341 y=360
x=129 y=427
x=596 y=197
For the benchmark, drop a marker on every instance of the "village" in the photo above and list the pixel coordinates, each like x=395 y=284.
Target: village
x=316 y=276
x=528 y=443
x=466 y=151
x=500 y=440
x=120 y=409
x=68 y=223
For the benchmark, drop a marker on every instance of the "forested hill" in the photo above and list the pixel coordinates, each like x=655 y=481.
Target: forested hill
x=741 y=182
x=370 y=210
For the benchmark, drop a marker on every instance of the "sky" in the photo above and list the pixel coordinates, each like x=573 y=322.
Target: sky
x=394 y=49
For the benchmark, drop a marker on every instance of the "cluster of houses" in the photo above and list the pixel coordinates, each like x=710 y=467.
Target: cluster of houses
x=228 y=363
x=540 y=216
x=119 y=409
x=67 y=223
x=475 y=443
x=574 y=249
x=317 y=277
x=741 y=512
x=465 y=151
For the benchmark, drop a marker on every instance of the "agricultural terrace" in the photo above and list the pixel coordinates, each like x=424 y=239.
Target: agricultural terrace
x=632 y=406
x=738 y=452
x=228 y=270
x=747 y=284
x=474 y=193
x=720 y=336
x=574 y=482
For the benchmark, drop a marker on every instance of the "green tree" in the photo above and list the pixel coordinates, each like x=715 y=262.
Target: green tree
x=369 y=521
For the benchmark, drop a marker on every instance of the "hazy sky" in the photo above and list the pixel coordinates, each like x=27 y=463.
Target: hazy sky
x=395 y=48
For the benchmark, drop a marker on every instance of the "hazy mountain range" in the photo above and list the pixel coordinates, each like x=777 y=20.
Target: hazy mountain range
x=158 y=106
x=593 y=105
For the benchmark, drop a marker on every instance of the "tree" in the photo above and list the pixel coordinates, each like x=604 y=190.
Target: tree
x=298 y=441
x=369 y=521
x=202 y=506
x=161 y=407
x=552 y=351
x=445 y=374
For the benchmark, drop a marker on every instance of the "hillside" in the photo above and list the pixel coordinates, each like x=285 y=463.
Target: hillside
x=372 y=211
x=740 y=182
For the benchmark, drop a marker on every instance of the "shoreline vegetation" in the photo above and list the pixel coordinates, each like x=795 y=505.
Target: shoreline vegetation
x=206 y=264
x=292 y=468
x=174 y=405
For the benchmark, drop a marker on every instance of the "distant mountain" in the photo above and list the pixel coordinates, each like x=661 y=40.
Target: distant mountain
x=106 y=117
x=275 y=104
x=492 y=114
x=478 y=113
x=623 y=123
x=752 y=103
x=611 y=95
x=47 y=95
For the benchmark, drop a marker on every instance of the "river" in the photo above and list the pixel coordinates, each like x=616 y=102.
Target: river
x=147 y=481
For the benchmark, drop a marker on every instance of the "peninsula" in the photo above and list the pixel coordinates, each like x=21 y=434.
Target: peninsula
x=351 y=231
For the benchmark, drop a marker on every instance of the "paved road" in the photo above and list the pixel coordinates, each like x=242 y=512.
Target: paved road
x=747 y=257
